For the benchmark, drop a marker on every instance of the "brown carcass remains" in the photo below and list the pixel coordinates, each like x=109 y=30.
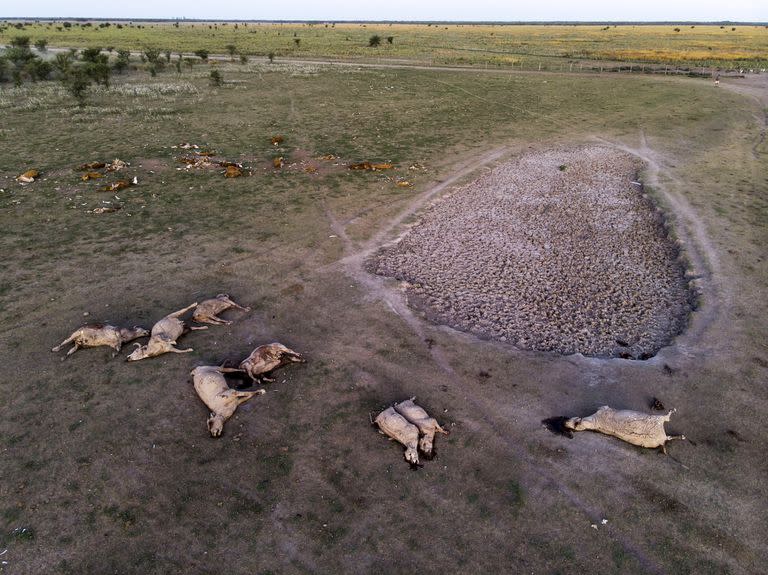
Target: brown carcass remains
x=266 y=358
x=98 y=334
x=397 y=428
x=208 y=310
x=222 y=400
x=427 y=425
x=633 y=427
x=164 y=335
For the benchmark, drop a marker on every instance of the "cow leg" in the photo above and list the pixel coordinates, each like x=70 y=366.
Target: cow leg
x=63 y=343
x=176 y=350
x=197 y=327
x=72 y=350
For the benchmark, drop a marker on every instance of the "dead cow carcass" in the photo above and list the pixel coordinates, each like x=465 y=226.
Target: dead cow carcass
x=208 y=310
x=164 y=335
x=98 y=334
x=28 y=177
x=266 y=358
x=630 y=426
x=427 y=425
x=398 y=428
x=212 y=388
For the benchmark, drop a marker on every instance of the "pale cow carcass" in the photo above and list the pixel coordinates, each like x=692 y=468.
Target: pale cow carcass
x=164 y=335
x=427 y=425
x=98 y=334
x=207 y=311
x=633 y=427
x=398 y=428
x=221 y=399
x=267 y=358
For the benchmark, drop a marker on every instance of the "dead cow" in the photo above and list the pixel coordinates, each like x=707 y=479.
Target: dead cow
x=266 y=358
x=630 y=426
x=396 y=427
x=98 y=334
x=212 y=388
x=164 y=335
x=427 y=425
x=208 y=310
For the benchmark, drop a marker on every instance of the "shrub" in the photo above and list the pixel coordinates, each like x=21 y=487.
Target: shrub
x=374 y=41
x=76 y=82
x=90 y=54
x=231 y=50
x=216 y=79
x=41 y=44
x=20 y=42
x=297 y=41
x=39 y=69
x=243 y=59
x=271 y=57
x=202 y=54
x=152 y=55
x=390 y=39
x=62 y=63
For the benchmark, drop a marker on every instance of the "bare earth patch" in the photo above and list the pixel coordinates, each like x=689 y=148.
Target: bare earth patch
x=552 y=251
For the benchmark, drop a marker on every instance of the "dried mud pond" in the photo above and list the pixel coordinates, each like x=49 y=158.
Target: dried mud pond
x=552 y=251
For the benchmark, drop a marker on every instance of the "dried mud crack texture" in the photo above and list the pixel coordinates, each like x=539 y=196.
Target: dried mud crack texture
x=553 y=251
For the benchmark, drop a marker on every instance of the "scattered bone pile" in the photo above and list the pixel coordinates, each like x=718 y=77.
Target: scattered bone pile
x=410 y=425
x=554 y=251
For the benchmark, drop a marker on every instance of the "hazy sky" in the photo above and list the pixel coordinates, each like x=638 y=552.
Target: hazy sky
x=500 y=10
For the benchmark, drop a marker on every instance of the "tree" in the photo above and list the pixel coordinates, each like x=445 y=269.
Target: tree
x=41 y=45
x=374 y=41
x=271 y=57
x=202 y=54
x=216 y=78
x=231 y=49
x=3 y=68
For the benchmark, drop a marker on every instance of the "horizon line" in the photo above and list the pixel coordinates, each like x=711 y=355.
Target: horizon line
x=345 y=21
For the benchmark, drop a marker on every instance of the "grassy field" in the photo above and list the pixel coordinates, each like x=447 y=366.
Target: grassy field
x=453 y=44
x=108 y=467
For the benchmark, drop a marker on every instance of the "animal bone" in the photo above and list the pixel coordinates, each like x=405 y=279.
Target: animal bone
x=266 y=358
x=120 y=185
x=630 y=426
x=98 y=334
x=397 y=427
x=28 y=177
x=208 y=310
x=427 y=425
x=91 y=166
x=164 y=335
x=116 y=165
x=233 y=172
x=212 y=388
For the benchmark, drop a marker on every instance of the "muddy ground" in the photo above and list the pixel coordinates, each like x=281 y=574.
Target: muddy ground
x=555 y=251
x=108 y=467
